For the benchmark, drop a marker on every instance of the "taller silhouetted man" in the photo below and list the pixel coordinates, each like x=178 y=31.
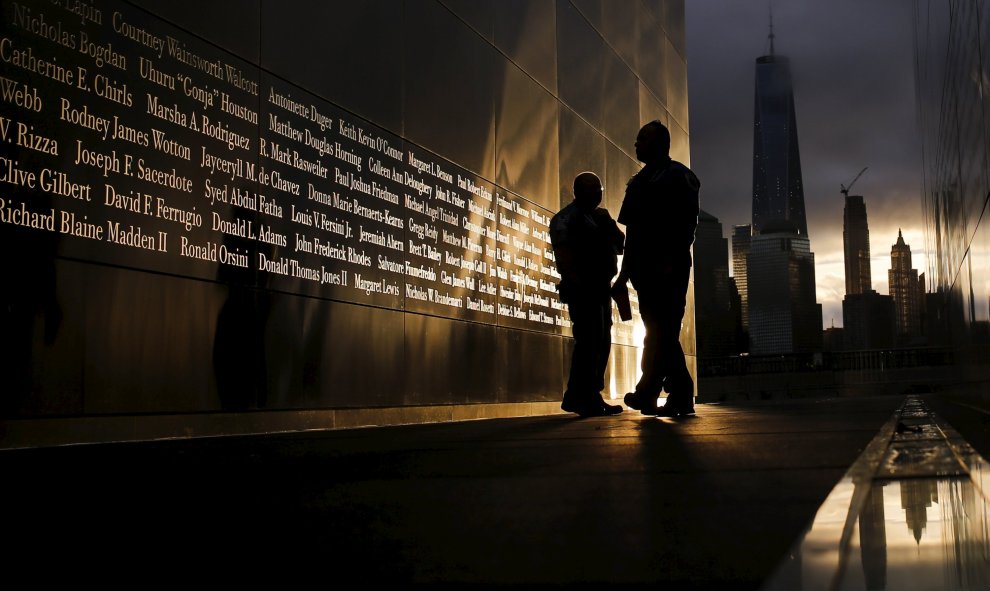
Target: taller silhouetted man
x=660 y=211
x=586 y=242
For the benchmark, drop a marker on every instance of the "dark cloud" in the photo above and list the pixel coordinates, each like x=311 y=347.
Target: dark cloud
x=852 y=62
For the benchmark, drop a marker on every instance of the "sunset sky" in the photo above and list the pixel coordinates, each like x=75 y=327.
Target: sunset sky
x=853 y=68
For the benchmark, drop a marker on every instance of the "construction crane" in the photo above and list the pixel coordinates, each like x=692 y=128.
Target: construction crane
x=845 y=190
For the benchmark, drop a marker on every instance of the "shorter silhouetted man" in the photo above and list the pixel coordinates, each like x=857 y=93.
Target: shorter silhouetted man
x=660 y=212
x=586 y=242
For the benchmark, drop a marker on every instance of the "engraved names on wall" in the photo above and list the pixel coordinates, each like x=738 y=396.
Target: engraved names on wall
x=125 y=105
x=126 y=141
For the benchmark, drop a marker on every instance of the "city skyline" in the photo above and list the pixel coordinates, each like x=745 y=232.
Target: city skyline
x=854 y=95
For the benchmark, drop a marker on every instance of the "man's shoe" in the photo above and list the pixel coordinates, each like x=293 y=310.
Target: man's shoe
x=598 y=408
x=611 y=409
x=674 y=409
x=591 y=410
x=643 y=403
x=576 y=401
x=589 y=406
x=570 y=404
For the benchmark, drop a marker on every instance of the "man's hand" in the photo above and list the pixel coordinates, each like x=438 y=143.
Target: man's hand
x=620 y=294
x=619 y=288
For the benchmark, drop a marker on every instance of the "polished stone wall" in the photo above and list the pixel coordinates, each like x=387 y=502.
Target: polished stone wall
x=244 y=206
x=954 y=100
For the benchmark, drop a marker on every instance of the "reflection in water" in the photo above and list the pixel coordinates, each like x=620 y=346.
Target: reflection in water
x=965 y=533
x=929 y=531
x=919 y=533
x=916 y=497
x=873 y=539
x=937 y=536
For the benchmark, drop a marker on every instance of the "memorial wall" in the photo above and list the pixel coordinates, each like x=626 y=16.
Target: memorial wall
x=951 y=77
x=229 y=205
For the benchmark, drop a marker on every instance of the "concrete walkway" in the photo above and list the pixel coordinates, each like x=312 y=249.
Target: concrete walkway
x=709 y=502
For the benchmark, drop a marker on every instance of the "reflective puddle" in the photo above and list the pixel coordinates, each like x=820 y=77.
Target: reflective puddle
x=916 y=518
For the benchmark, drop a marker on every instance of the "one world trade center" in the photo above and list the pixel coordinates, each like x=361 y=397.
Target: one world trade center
x=784 y=317
x=778 y=193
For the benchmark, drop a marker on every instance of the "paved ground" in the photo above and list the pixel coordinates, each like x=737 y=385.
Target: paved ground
x=711 y=502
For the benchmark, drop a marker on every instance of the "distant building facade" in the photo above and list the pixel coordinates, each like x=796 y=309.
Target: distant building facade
x=714 y=324
x=783 y=314
x=740 y=253
x=834 y=339
x=856 y=245
x=868 y=319
x=905 y=290
x=735 y=306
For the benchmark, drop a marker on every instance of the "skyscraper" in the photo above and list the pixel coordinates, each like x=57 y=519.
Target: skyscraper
x=904 y=289
x=856 y=244
x=868 y=316
x=715 y=324
x=778 y=193
x=783 y=316
x=740 y=252
x=869 y=320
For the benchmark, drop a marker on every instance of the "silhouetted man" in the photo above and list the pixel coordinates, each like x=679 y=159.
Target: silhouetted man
x=586 y=242
x=660 y=211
